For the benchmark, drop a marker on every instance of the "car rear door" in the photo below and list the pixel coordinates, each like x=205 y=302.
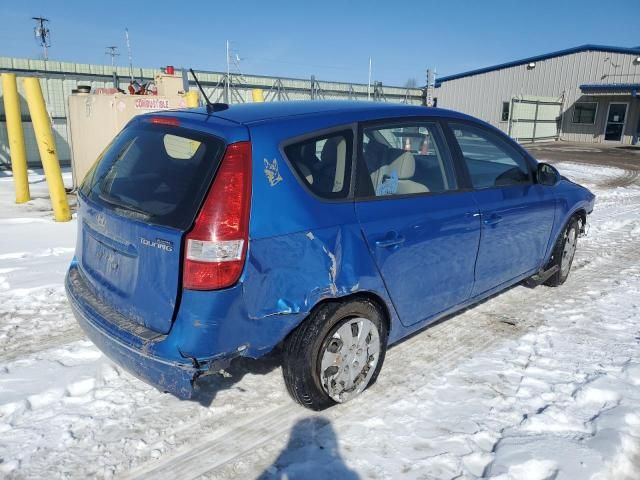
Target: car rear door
x=134 y=208
x=422 y=231
x=517 y=213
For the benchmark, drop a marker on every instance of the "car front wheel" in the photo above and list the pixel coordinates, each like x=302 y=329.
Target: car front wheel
x=563 y=253
x=335 y=354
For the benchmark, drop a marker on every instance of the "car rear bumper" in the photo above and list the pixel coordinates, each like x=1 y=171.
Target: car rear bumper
x=170 y=377
x=130 y=345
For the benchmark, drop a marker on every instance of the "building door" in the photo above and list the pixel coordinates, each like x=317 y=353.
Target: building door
x=616 y=117
x=535 y=119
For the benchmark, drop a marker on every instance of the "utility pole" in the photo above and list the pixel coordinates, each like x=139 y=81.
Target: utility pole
x=431 y=76
x=113 y=52
x=43 y=35
x=126 y=36
x=227 y=94
x=369 y=83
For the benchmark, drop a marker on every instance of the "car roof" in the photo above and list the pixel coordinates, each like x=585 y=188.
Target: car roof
x=249 y=113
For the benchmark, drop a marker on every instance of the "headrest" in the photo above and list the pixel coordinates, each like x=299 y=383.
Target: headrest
x=334 y=148
x=404 y=165
x=374 y=153
x=308 y=154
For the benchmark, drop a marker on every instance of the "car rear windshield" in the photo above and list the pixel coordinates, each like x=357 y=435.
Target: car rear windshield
x=156 y=173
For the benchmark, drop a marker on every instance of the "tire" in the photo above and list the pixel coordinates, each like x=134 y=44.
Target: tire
x=564 y=252
x=319 y=338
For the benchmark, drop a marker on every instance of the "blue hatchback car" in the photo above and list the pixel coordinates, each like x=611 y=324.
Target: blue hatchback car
x=326 y=230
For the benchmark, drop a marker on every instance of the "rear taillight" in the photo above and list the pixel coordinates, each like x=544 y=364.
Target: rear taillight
x=215 y=248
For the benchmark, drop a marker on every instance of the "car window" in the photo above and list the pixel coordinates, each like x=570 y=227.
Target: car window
x=404 y=159
x=490 y=160
x=160 y=172
x=180 y=148
x=324 y=163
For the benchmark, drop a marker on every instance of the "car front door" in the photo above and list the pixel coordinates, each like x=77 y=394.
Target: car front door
x=517 y=213
x=422 y=231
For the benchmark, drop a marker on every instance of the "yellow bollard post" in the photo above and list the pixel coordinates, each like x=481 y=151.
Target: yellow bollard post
x=16 y=137
x=258 y=95
x=47 y=149
x=192 y=98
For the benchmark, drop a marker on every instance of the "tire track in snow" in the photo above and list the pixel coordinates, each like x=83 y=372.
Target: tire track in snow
x=626 y=174
x=444 y=344
x=224 y=448
x=447 y=342
x=630 y=178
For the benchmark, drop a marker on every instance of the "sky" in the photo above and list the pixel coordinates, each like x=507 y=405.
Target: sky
x=332 y=40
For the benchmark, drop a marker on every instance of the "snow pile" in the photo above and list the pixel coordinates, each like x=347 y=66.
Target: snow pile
x=532 y=384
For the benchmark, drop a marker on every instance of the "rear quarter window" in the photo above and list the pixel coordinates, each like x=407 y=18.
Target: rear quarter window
x=323 y=163
x=157 y=173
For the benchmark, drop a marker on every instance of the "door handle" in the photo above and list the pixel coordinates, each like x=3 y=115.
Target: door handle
x=492 y=220
x=390 y=242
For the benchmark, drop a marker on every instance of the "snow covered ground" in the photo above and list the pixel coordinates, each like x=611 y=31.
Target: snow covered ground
x=532 y=384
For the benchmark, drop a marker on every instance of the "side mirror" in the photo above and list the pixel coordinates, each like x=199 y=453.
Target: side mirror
x=547 y=174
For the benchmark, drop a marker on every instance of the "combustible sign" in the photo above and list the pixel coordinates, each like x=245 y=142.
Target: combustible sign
x=151 y=104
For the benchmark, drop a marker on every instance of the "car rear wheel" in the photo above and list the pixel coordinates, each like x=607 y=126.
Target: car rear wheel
x=335 y=354
x=564 y=252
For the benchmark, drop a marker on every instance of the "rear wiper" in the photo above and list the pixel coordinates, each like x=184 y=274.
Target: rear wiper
x=123 y=206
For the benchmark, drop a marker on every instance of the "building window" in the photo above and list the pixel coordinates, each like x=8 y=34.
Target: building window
x=585 y=112
x=505 y=112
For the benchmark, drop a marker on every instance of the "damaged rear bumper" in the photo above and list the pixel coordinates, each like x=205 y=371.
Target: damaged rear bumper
x=171 y=377
x=130 y=345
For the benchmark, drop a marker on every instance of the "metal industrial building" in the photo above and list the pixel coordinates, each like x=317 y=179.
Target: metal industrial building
x=589 y=93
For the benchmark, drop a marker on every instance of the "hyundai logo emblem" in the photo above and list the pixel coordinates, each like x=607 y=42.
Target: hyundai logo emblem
x=101 y=220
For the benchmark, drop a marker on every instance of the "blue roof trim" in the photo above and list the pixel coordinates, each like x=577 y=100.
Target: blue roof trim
x=609 y=86
x=632 y=88
x=538 y=58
